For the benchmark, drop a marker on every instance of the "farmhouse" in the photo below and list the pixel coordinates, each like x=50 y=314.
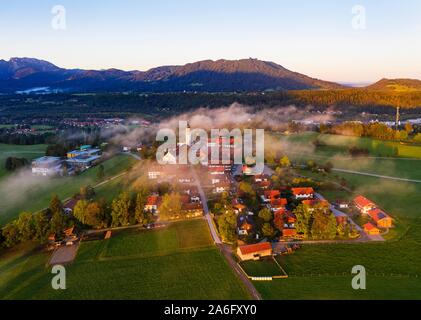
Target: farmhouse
x=303 y=193
x=364 y=205
x=152 y=204
x=244 y=225
x=254 y=251
x=270 y=195
x=371 y=229
x=380 y=218
x=47 y=166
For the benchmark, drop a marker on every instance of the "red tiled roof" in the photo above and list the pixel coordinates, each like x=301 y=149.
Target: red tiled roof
x=377 y=214
x=369 y=226
x=299 y=191
x=255 y=248
x=289 y=232
x=279 y=202
x=270 y=194
x=363 y=202
x=153 y=200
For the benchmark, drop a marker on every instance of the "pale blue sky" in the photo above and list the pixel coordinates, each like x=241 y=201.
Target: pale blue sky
x=312 y=37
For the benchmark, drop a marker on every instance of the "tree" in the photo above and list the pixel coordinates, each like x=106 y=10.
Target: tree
x=11 y=234
x=101 y=172
x=285 y=162
x=227 y=224
x=26 y=227
x=121 y=210
x=87 y=192
x=408 y=128
x=58 y=222
x=303 y=220
x=13 y=163
x=79 y=211
x=55 y=205
x=324 y=225
x=266 y=215
x=328 y=167
x=141 y=216
x=267 y=230
x=41 y=226
x=170 y=206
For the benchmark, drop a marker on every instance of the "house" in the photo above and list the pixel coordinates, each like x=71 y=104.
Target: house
x=245 y=225
x=254 y=251
x=341 y=204
x=364 y=205
x=371 y=229
x=83 y=158
x=152 y=204
x=277 y=204
x=380 y=218
x=47 y=166
x=289 y=232
x=269 y=195
x=303 y=193
x=341 y=218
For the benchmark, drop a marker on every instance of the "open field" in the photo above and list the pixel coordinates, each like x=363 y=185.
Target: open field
x=324 y=271
x=176 y=263
x=336 y=144
x=28 y=152
x=41 y=190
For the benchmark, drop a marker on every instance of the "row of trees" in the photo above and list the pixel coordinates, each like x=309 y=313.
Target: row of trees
x=318 y=223
x=375 y=130
x=35 y=227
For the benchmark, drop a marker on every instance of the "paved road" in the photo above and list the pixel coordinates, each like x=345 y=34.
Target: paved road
x=204 y=199
x=226 y=250
x=376 y=175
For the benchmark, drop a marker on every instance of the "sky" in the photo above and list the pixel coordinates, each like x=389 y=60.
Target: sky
x=323 y=39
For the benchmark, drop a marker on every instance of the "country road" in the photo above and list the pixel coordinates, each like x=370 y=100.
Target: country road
x=375 y=175
x=226 y=250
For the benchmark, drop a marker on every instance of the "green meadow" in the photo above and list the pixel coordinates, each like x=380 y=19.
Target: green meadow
x=37 y=191
x=324 y=271
x=178 y=262
x=28 y=152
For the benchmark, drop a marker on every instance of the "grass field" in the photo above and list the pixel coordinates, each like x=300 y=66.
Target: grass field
x=39 y=190
x=336 y=144
x=28 y=152
x=176 y=263
x=324 y=271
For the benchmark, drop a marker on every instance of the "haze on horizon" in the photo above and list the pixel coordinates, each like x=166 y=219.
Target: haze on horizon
x=317 y=39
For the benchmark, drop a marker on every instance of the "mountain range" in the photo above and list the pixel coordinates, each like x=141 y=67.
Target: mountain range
x=247 y=75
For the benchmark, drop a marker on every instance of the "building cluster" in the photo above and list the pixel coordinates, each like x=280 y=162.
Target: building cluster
x=379 y=219
x=75 y=161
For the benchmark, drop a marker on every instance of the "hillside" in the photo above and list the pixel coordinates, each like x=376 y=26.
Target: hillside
x=21 y=74
x=399 y=85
